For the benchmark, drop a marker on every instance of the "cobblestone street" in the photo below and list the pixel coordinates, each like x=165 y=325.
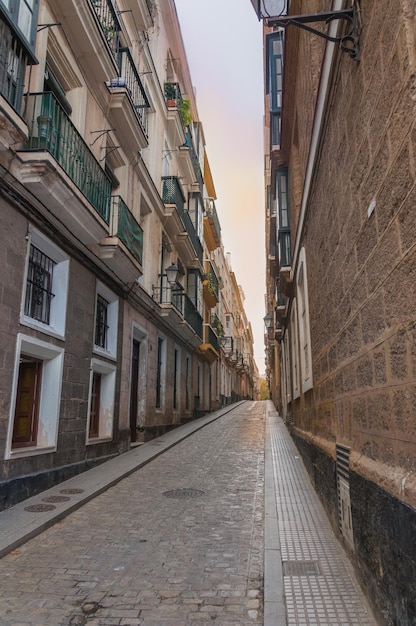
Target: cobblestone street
x=177 y=543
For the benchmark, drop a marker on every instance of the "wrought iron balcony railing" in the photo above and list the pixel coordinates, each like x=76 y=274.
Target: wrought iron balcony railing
x=51 y=129
x=212 y=338
x=130 y=80
x=125 y=226
x=172 y=194
x=211 y=213
x=195 y=162
x=109 y=22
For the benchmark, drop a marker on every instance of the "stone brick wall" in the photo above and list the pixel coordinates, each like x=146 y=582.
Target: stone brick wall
x=360 y=242
x=361 y=268
x=21 y=477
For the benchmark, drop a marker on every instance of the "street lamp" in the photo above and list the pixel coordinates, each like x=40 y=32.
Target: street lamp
x=172 y=273
x=268 y=319
x=275 y=12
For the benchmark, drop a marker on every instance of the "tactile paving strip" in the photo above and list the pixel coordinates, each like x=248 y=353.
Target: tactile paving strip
x=331 y=595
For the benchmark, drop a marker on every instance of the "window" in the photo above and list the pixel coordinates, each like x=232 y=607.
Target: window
x=39 y=285
x=46 y=286
x=304 y=328
x=274 y=69
x=294 y=349
x=101 y=401
x=23 y=15
x=106 y=322
x=35 y=401
x=101 y=325
x=283 y=228
x=194 y=290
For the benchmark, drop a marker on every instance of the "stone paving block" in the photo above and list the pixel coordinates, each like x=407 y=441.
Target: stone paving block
x=136 y=557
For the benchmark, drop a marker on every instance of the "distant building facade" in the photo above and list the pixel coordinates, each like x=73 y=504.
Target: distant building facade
x=341 y=257
x=102 y=190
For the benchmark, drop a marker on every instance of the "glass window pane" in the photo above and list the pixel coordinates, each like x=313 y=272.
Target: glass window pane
x=25 y=20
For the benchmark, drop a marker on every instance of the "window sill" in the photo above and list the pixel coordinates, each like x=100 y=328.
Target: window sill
x=97 y=440
x=105 y=353
x=17 y=453
x=44 y=328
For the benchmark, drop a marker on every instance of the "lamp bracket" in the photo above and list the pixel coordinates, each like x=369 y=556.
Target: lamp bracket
x=348 y=42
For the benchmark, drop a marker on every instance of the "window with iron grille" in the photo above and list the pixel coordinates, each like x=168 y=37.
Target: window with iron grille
x=39 y=285
x=101 y=322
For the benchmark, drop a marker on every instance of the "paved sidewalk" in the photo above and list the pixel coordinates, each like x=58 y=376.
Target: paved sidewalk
x=180 y=532
x=316 y=585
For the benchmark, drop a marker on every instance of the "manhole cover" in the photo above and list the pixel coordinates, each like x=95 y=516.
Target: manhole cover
x=181 y=494
x=56 y=499
x=39 y=508
x=72 y=491
x=301 y=568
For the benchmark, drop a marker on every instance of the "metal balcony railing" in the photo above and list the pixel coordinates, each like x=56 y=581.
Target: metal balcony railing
x=211 y=277
x=51 y=129
x=211 y=213
x=212 y=338
x=125 y=226
x=130 y=80
x=172 y=194
x=109 y=22
x=195 y=162
x=192 y=316
x=13 y=61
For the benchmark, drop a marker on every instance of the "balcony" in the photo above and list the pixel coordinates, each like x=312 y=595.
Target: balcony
x=12 y=75
x=209 y=349
x=212 y=228
x=179 y=225
x=92 y=28
x=122 y=251
x=173 y=98
x=51 y=129
x=129 y=104
x=190 y=162
x=211 y=287
x=57 y=166
x=144 y=12
x=180 y=312
x=192 y=316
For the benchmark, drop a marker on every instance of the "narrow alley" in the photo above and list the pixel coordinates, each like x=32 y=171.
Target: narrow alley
x=186 y=539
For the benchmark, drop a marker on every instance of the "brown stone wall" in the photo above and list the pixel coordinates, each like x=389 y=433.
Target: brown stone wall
x=361 y=268
x=72 y=455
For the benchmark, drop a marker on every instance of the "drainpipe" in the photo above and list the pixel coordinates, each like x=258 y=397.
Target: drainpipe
x=320 y=110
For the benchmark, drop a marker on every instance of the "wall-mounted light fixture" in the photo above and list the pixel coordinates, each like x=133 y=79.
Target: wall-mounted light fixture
x=171 y=274
x=268 y=320
x=275 y=14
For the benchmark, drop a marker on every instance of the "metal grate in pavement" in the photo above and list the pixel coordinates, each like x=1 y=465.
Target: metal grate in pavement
x=301 y=568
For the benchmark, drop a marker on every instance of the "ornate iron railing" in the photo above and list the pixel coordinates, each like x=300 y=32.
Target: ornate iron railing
x=109 y=22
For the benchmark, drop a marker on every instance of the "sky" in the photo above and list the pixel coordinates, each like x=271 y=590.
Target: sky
x=223 y=42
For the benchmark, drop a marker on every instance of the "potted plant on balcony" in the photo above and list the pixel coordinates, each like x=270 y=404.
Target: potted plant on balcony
x=170 y=94
x=184 y=107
